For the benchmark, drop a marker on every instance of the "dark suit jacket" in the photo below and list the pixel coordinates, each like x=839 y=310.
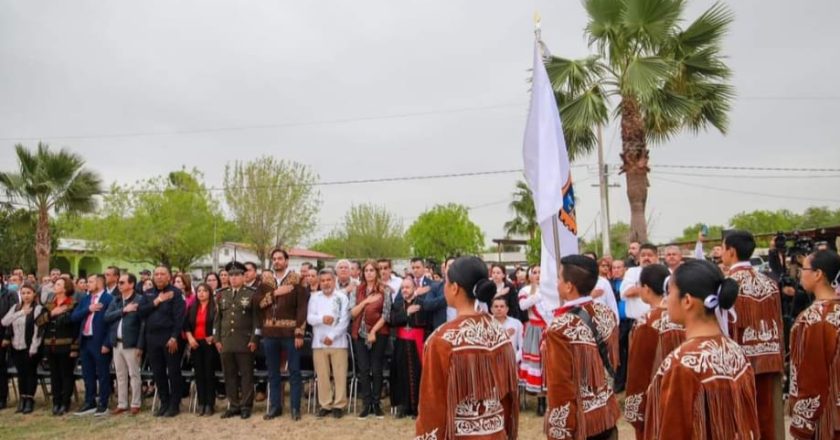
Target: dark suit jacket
x=433 y=304
x=132 y=323
x=7 y=301
x=99 y=326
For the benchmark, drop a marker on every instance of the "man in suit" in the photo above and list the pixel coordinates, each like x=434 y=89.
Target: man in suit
x=432 y=301
x=112 y=276
x=236 y=327
x=164 y=309
x=94 y=348
x=126 y=338
x=9 y=298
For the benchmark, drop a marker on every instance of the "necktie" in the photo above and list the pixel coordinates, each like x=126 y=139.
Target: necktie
x=89 y=322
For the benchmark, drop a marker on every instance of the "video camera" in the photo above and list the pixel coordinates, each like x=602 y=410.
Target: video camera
x=800 y=247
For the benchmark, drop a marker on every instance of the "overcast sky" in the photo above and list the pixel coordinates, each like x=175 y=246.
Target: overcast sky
x=373 y=89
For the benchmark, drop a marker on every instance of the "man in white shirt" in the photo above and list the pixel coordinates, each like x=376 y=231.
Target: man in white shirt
x=512 y=326
x=387 y=275
x=634 y=308
x=603 y=292
x=329 y=313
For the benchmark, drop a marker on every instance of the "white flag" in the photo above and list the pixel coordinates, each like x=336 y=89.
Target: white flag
x=549 y=176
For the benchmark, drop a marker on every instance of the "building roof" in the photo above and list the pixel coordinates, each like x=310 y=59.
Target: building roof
x=308 y=253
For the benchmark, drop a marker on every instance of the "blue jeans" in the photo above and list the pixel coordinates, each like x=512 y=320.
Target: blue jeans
x=272 y=348
x=96 y=367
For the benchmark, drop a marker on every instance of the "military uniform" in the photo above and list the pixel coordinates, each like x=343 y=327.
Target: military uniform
x=236 y=325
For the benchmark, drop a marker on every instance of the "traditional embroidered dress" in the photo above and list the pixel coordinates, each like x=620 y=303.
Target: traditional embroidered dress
x=758 y=329
x=530 y=369
x=581 y=402
x=815 y=372
x=654 y=336
x=469 y=386
x=704 y=390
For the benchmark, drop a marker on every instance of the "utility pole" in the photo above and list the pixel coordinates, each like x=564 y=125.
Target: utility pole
x=603 y=183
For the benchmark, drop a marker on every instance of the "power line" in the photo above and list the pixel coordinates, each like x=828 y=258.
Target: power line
x=723 y=176
x=752 y=193
x=745 y=168
x=266 y=126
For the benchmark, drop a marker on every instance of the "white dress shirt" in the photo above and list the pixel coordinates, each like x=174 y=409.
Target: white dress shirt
x=336 y=305
x=516 y=337
x=395 y=283
x=608 y=298
x=634 y=308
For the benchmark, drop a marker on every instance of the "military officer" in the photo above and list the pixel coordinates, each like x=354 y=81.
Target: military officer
x=237 y=328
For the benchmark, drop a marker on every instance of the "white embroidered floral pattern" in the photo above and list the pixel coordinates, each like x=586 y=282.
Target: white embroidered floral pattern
x=604 y=320
x=593 y=400
x=756 y=286
x=723 y=359
x=632 y=408
x=473 y=417
x=804 y=411
x=432 y=435
x=573 y=328
x=557 y=419
x=482 y=333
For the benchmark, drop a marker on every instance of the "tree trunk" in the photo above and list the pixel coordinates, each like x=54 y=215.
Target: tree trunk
x=634 y=158
x=42 y=243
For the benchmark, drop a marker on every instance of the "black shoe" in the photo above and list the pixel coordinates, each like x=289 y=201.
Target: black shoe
x=203 y=411
x=102 y=411
x=86 y=409
x=365 y=412
x=295 y=414
x=161 y=411
x=211 y=409
x=55 y=410
x=338 y=413
x=3 y=404
x=245 y=414
x=231 y=413
x=377 y=411
x=323 y=412
x=541 y=406
x=272 y=413
x=62 y=409
x=400 y=412
x=172 y=412
x=28 y=405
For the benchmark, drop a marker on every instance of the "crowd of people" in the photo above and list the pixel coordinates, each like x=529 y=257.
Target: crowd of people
x=698 y=345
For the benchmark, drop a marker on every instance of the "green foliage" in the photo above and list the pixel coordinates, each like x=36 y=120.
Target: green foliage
x=274 y=202
x=17 y=233
x=524 y=221
x=169 y=220
x=768 y=222
x=443 y=231
x=619 y=233
x=668 y=76
x=368 y=231
x=50 y=182
x=533 y=250
x=690 y=233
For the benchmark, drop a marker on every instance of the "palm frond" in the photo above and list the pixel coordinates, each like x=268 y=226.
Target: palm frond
x=708 y=29
x=644 y=76
x=650 y=23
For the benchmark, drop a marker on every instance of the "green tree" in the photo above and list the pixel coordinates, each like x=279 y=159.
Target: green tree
x=445 y=230
x=274 y=202
x=533 y=250
x=17 y=227
x=368 y=231
x=764 y=221
x=50 y=182
x=618 y=241
x=169 y=220
x=667 y=79
x=690 y=232
x=524 y=220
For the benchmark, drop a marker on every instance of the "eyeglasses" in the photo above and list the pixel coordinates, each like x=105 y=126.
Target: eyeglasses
x=124 y=282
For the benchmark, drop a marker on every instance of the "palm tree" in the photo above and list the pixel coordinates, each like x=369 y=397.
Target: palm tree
x=524 y=221
x=50 y=181
x=666 y=78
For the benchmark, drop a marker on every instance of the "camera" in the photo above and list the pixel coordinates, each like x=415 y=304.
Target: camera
x=800 y=247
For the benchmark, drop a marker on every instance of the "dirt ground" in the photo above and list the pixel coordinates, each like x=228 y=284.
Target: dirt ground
x=42 y=425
